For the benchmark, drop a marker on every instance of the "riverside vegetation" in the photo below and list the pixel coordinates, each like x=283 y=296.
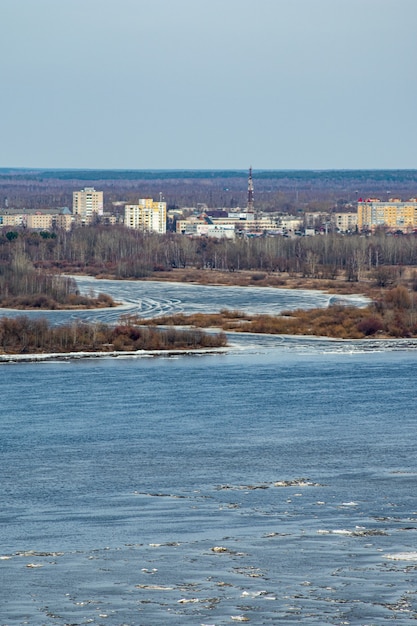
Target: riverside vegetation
x=23 y=335
x=118 y=252
x=380 y=266
x=22 y=286
x=394 y=314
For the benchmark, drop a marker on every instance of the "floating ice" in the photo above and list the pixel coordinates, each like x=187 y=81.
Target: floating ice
x=402 y=556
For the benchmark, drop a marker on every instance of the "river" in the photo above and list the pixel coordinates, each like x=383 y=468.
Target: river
x=271 y=484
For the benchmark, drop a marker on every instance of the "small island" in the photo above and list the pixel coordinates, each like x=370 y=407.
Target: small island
x=26 y=336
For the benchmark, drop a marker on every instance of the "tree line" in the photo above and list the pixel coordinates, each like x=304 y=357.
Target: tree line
x=22 y=285
x=126 y=253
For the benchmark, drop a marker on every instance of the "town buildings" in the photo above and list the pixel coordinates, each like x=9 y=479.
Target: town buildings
x=393 y=215
x=87 y=204
x=147 y=215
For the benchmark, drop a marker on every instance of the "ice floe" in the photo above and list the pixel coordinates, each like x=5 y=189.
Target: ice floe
x=402 y=556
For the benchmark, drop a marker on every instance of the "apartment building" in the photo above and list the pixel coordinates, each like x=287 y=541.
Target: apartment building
x=345 y=222
x=393 y=214
x=45 y=219
x=87 y=204
x=147 y=215
x=290 y=223
x=39 y=221
x=11 y=217
x=64 y=219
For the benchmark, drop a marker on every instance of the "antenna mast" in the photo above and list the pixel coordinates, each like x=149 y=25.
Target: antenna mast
x=250 y=192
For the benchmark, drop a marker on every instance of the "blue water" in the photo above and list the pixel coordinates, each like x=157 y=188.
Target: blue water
x=272 y=484
x=120 y=476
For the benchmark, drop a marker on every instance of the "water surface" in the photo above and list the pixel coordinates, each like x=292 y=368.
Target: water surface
x=152 y=491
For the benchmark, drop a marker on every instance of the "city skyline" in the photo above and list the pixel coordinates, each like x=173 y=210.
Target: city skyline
x=180 y=84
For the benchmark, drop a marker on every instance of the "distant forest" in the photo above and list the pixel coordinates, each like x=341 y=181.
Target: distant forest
x=282 y=190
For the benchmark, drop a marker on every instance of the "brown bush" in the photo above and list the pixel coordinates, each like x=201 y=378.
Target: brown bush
x=398 y=298
x=370 y=325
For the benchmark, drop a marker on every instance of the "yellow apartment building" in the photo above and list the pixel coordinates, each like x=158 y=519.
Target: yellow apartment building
x=63 y=220
x=11 y=217
x=393 y=214
x=40 y=221
x=147 y=215
x=46 y=219
x=86 y=204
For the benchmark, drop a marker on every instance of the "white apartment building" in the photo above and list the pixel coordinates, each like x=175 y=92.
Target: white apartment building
x=147 y=215
x=290 y=222
x=86 y=204
x=345 y=222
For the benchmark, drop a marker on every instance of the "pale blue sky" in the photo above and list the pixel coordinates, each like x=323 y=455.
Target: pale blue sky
x=155 y=84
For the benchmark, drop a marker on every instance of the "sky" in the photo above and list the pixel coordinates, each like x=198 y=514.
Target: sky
x=208 y=84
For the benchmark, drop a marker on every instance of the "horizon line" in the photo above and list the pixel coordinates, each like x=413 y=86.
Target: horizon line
x=204 y=169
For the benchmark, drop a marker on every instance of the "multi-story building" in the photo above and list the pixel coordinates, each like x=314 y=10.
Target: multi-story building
x=316 y=219
x=87 y=204
x=147 y=215
x=290 y=223
x=39 y=220
x=345 y=222
x=44 y=219
x=11 y=217
x=63 y=219
x=393 y=214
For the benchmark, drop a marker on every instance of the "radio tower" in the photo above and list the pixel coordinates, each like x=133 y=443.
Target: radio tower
x=250 y=192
